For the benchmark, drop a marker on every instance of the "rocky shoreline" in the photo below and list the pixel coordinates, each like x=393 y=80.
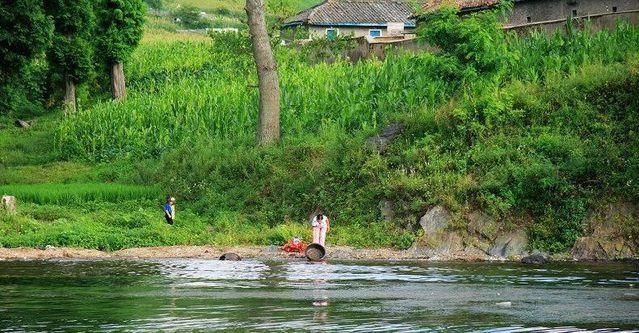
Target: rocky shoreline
x=268 y=253
x=487 y=238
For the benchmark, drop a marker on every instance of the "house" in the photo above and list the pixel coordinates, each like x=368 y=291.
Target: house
x=551 y=14
x=355 y=18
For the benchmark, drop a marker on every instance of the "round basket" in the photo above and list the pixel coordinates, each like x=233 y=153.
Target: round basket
x=315 y=252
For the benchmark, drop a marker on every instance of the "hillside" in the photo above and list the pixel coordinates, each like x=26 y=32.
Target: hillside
x=535 y=133
x=225 y=13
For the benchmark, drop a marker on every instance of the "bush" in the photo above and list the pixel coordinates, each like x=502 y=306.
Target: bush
x=191 y=17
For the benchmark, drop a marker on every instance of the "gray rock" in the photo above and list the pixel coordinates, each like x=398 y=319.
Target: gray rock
x=449 y=243
x=386 y=210
x=9 y=204
x=438 y=244
x=477 y=245
x=435 y=220
x=22 y=124
x=509 y=244
x=588 y=248
x=534 y=259
x=480 y=223
x=389 y=133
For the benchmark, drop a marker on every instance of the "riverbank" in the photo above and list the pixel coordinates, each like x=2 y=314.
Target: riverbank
x=252 y=252
x=206 y=252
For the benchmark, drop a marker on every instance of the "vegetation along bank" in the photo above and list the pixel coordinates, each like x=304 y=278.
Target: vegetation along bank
x=497 y=144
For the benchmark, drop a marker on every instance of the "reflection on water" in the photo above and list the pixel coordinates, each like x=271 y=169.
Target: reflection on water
x=194 y=294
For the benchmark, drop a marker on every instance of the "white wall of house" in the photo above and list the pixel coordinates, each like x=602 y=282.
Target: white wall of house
x=320 y=32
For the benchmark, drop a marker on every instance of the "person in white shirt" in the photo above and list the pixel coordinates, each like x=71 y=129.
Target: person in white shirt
x=321 y=225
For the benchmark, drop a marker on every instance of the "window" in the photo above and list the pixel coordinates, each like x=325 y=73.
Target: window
x=375 y=33
x=528 y=19
x=574 y=12
x=331 y=34
x=614 y=9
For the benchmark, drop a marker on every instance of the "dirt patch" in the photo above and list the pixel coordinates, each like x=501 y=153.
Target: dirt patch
x=50 y=253
x=212 y=252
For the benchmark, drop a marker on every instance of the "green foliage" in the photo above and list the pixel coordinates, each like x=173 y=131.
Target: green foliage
x=25 y=32
x=475 y=40
x=65 y=194
x=155 y=4
x=102 y=226
x=189 y=102
x=71 y=53
x=190 y=17
x=120 y=28
x=536 y=142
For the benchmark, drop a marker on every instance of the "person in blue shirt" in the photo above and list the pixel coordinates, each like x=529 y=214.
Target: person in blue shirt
x=169 y=210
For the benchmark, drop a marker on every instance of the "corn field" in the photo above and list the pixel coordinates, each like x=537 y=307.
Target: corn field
x=186 y=90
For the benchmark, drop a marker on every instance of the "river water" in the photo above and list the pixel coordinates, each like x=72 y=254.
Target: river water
x=205 y=295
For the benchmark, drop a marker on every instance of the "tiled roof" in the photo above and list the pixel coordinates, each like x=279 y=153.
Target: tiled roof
x=355 y=12
x=461 y=4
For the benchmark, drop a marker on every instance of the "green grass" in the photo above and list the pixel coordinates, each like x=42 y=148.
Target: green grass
x=78 y=193
x=231 y=13
x=534 y=136
x=100 y=226
x=114 y=226
x=236 y=7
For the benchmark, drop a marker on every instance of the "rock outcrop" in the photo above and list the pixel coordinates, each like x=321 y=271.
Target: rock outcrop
x=437 y=239
x=483 y=239
x=605 y=239
x=509 y=244
x=436 y=220
x=389 y=133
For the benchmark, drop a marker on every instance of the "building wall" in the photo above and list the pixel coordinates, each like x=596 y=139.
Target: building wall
x=320 y=32
x=534 y=11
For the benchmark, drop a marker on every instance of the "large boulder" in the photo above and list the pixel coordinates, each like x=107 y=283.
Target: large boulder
x=606 y=234
x=535 y=259
x=436 y=220
x=588 y=248
x=593 y=248
x=481 y=224
x=9 y=204
x=509 y=244
x=386 y=210
x=437 y=240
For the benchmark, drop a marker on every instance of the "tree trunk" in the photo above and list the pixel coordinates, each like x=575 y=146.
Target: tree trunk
x=118 y=86
x=69 y=95
x=269 y=122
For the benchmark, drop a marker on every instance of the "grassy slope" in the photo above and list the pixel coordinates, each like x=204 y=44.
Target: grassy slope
x=230 y=13
x=237 y=6
x=488 y=148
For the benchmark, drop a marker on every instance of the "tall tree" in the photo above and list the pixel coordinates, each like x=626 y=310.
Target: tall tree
x=71 y=52
x=269 y=119
x=25 y=33
x=120 y=28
